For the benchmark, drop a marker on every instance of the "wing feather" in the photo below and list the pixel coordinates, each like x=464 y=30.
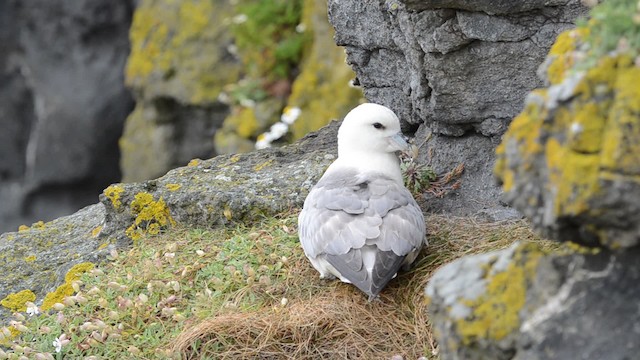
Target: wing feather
x=346 y=214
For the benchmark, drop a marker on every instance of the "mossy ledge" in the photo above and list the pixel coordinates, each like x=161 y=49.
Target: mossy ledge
x=207 y=193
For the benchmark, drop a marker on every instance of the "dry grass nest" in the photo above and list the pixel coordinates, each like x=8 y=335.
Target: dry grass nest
x=332 y=320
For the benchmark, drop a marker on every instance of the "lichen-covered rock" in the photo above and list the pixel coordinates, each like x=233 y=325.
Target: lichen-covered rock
x=570 y=161
x=477 y=302
x=458 y=69
x=37 y=258
x=179 y=63
x=219 y=191
x=523 y=304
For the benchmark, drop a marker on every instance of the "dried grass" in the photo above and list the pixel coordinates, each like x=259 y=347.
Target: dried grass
x=332 y=320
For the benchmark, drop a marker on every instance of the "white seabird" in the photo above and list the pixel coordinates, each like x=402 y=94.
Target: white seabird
x=359 y=223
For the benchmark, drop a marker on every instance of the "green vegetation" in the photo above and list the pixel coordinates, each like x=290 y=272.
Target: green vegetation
x=614 y=25
x=241 y=292
x=266 y=36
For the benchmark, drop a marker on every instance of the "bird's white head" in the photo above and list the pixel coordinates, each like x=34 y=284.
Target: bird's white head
x=370 y=128
x=368 y=140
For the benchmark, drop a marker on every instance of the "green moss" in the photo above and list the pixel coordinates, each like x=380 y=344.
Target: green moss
x=495 y=314
x=16 y=301
x=151 y=216
x=66 y=289
x=113 y=193
x=614 y=25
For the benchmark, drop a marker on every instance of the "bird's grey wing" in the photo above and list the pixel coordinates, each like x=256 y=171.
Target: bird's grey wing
x=402 y=232
x=340 y=217
x=331 y=220
x=403 y=228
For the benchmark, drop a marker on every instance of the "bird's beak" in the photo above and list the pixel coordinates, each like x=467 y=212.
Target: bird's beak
x=398 y=142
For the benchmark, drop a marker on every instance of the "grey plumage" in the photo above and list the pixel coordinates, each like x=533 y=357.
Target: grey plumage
x=360 y=224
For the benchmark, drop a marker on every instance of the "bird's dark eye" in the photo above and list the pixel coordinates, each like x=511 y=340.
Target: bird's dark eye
x=378 y=125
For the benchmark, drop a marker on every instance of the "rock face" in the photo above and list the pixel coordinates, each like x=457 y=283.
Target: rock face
x=178 y=65
x=459 y=69
x=62 y=104
x=221 y=191
x=569 y=162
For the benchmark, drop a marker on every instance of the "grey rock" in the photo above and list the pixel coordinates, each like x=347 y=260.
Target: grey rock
x=459 y=70
x=62 y=104
x=583 y=307
x=54 y=248
x=477 y=194
x=488 y=6
x=227 y=189
x=573 y=306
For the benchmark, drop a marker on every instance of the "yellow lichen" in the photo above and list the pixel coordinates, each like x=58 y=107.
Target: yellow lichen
x=263 y=165
x=562 y=54
x=193 y=162
x=113 y=193
x=525 y=132
x=621 y=148
x=572 y=178
x=151 y=216
x=96 y=231
x=496 y=313
x=579 y=249
x=173 y=187
x=66 y=289
x=103 y=246
x=16 y=301
x=23 y=228
x=30 y=258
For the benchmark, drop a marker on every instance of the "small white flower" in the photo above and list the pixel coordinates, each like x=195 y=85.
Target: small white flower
x=32 y=309
x=300 y=28
x=290 y=115
x=58 y=345
x=60 y=342
x=279 y=129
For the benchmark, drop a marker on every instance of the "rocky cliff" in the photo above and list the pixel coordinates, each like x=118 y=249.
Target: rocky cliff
x=62 y=104
x=569 y=162
x=457 y=71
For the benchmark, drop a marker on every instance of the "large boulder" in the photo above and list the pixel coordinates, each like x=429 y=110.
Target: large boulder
x=459 y=70
x=569 y=162
x=62 y=104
